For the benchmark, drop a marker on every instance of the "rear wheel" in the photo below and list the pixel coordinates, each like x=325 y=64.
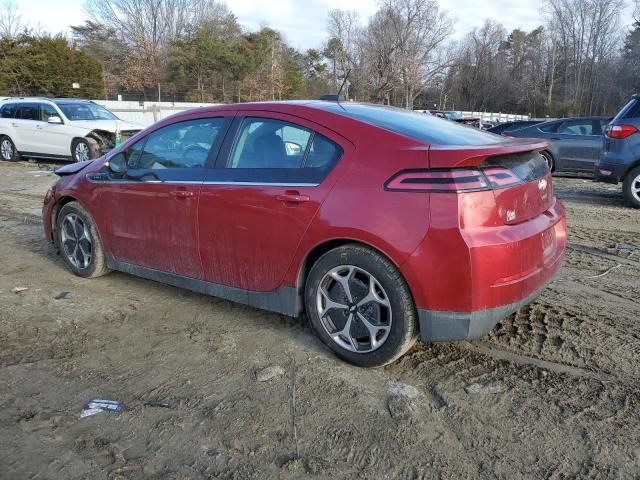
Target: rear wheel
x=8 y=151
x=79 y=243
x=631 y=187
x=360 y=306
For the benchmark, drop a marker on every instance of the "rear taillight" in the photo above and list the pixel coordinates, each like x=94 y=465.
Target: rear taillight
x=620 y=131
x=452 y=180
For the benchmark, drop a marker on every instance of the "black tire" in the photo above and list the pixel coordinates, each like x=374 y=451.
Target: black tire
x=549 y=159
x=8 y=152
x=88 y=145
x=96 y=265
x=403 y=321
x=630 y=185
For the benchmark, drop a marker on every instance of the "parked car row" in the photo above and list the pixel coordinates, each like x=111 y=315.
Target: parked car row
x=607 y=147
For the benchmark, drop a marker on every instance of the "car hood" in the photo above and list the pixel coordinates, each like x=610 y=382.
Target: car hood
x=106 y=125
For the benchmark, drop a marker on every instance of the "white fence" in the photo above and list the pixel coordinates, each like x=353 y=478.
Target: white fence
x=147 y=113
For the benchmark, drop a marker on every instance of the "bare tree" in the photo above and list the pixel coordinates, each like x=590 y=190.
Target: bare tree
x=149 y=26
x=11 y=23
x=420 y=30
x=343 y=27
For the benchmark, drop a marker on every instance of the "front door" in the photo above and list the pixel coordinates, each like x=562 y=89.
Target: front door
x=151 y=212
x=52 y=138
x=272 y=176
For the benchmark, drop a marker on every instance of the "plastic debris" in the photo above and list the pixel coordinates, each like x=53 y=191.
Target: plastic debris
x=62 y=296
x=20 y=289
x=96 y=405
x=623 y=246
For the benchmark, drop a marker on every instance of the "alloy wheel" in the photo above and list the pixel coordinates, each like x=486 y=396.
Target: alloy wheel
x=76 y=241
x=635 y=188
x=81 y=152
x=6 y=149
x=354 y=309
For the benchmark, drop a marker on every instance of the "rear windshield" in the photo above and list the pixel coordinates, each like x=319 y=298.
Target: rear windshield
x=419 y=126
x=630 y=110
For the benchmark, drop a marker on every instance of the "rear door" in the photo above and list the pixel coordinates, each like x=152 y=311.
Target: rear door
x=151 y=213
x=25 y=125
x=272 y=176
x=578 y=143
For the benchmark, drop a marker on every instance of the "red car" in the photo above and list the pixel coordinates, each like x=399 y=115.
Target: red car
x=383 y=225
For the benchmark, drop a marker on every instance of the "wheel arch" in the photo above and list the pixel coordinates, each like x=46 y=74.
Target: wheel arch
x=631 y=166
x=553 y=158
x=323 y=247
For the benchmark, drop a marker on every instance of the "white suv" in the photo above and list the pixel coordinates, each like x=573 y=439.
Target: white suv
x=58 y=129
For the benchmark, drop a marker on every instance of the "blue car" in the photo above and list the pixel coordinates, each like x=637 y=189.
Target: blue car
x=620 y=158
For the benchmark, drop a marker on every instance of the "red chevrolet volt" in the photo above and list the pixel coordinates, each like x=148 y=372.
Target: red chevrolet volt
x=383 y=225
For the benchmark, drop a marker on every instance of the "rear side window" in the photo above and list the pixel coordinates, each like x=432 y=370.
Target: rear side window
x=419 y=126
x=28 y=111
x=577 y=127
x=181 y=145
x=632 y=109
x=266 y=143
x=8 y=110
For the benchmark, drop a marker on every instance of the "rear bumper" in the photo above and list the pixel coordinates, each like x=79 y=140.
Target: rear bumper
x=485 y=275
x=609 y=172
x=440 y=326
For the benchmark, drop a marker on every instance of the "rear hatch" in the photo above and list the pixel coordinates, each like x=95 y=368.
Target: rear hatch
x=624 y=126
x=514 y=171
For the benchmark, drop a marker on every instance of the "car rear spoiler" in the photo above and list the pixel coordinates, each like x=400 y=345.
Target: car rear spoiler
x=72 y=168
x=456 y=156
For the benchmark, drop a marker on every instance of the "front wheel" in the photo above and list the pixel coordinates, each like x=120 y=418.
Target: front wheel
x=631 y=187
x=360 y=306
x=79 y=243
x=84 y=149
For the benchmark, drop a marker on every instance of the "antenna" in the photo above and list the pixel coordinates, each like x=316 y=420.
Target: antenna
x=346 y=77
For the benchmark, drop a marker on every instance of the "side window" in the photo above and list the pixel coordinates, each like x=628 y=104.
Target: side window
x=132 y=154
x=181 y=145
x=265 y=143
x=550 y=128
x=577 y=127
x=47 y=111
x=28 y=111
x=323 y=153
x=8 y=110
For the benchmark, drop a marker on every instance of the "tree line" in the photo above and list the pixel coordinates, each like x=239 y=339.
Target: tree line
x=580 y=61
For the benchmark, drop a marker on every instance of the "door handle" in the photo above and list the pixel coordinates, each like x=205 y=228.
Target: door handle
x=39 y=127
x=14 y=124
x=292 y=196
x=182 y=194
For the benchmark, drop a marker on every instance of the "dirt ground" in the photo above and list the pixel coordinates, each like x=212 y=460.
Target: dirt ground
x=553 y=392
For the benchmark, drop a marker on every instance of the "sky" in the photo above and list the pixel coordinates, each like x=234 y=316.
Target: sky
x=303 y=22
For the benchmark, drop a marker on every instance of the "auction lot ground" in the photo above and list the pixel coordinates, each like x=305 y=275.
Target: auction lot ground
x=553 y=392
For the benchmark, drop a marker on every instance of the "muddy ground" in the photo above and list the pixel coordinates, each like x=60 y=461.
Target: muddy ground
x=551 y=393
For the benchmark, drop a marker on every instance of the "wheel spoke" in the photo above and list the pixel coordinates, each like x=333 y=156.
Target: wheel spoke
x=345 y=333
x=372 y=295
x=373 y=330
x=343 y=280
x=330 y=304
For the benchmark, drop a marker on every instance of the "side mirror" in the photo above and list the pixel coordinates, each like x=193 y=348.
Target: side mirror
x=55 y=120
x=118 y=164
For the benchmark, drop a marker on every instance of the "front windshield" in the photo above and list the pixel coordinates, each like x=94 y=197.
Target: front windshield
x=86 y=111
